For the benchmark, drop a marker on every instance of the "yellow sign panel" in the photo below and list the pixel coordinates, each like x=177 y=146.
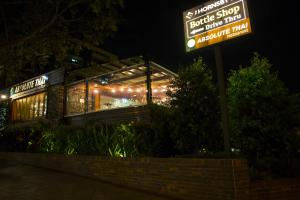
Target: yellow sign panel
x=214 y=22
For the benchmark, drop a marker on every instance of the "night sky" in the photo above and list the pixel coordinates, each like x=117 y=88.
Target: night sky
x=155 y=28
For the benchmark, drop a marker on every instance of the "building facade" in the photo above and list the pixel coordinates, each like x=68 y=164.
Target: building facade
x=110 y=92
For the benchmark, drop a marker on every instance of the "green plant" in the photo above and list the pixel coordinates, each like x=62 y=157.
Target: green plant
x=116 y=151
x=47 y=141
x=104 y=140
x=124 y=141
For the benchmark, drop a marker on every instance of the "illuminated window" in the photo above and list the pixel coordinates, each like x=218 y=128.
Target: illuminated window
x=28 y=108
x=160 y=82
x=122 y=89
x=76 y=99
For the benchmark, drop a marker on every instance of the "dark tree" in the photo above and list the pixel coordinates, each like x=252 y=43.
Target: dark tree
x=196 y=110
x=37 y=33
x=263 y=114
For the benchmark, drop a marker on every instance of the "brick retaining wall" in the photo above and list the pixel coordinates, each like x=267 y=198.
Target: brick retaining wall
x=278 y=189
x=205 y=179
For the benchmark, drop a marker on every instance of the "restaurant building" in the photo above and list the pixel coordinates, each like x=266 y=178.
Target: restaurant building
x=117 y=91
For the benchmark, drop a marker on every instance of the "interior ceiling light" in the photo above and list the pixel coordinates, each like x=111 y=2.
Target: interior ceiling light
x=96 y=91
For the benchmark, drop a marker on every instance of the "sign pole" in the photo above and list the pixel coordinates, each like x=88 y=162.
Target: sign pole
x=223 y=99
x=210 y=23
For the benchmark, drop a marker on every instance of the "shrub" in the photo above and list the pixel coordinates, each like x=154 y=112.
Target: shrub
x=22 y=136
x=155 y=136
x=263 y=116
x=196 y=113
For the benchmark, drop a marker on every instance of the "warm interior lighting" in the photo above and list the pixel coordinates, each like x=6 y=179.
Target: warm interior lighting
x=142 y=68
x=127 y=73
x=157 y=75
x=122 y=89
x=3 y=96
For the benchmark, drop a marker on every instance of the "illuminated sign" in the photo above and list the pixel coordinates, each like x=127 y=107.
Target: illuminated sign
x=215 y=21
x=36 y=83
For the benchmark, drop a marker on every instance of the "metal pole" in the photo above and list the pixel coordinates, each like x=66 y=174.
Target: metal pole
x=148 y=81
x=86 y=103
x=222 y=92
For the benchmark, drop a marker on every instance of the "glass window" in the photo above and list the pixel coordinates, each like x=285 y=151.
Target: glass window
x=28 y=108
x=160 y=82
x=119 y=89
x=122 y=89
x=76 y=98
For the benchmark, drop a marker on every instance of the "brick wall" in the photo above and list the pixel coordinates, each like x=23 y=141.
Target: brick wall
x=205 y=179
x=280 y=189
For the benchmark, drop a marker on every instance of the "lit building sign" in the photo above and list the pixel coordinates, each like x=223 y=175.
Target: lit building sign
x=214 y=22
x=36 y=83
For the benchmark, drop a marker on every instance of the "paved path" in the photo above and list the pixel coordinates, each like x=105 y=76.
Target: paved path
x=21 y=182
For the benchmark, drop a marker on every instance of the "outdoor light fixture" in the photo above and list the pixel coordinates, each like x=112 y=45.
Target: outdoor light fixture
x=45 y=77
x=3 y=96
x=103 y=81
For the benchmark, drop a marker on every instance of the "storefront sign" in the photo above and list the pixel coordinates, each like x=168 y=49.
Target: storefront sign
x=215 y=21
x=32 y=84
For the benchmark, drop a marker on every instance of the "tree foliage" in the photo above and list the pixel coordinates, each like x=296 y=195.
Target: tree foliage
x=263 y=114
x=35 y=34
x=196 y=110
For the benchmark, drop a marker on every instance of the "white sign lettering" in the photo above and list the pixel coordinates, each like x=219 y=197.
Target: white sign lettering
x=28 y=85
x=215 y=21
